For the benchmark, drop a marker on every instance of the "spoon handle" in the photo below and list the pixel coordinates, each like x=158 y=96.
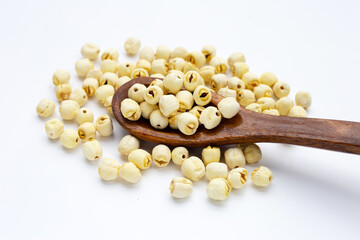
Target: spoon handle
x=342 y=136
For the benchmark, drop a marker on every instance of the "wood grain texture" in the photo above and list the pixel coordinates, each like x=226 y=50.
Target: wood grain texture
x=247 y=127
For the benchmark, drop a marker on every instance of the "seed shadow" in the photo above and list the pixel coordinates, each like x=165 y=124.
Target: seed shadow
x=180 y=200
x=216 y=203
x=119 y=182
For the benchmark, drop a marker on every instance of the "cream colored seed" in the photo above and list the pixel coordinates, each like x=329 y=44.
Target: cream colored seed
x=237 y=177
x=61 y=76
x=190 y=67
x=84 y=115
x=179 y=154
x=218 y=81
x=210 y=117
x=266 y=103
x=180 y=73
x=125 y=69
x=297 y=111
x=108 y=169
x=261 y=176
x=103 y=92
x=132 y=45
x=79 y=95
x=139 y=72
x=303 y=99
x=216 y=170
x=68 y=109
x=245 y=97
x=130 y=109
x=173 y=121
x=147 y=53
x=226 y=92
x=90 y=51
x=207 y=72
x=180 y=187
x=163 y=52
x=161 y=155
x=177 y=64
x=108 y=65
x=157 y=75
x=45 y=108
x=92 y=150
x=83 y=66
x=263 y=90
x=141 y=158
x=255 y=107
x=251 y=80
x=54 y=128
x=87 y=131
x=273 y=112
x=228 y=107
x=187 y=123
x=158 y=120
x=168 y=105
x=209 y=52
x=196 y=111
x=108 y=78
x=210 y=155
x=144 y=64
x=104 y=125
x=281 y=89
x=147 y=109
x=159 y=66
x=90 y=85
x=63 y=92
x=235 y=58
x=121 y=81
x=128 y=144
x=185 y=99
x=69 y=139
x=108 y=104
x=236 y=84
x=152 y=94
x=196 y=58
x=239 y=69
x=173 y=82
x=234 y=157
x=110 y=53
x=136 y=92
x=94 y=73
x=252 y=153
x=192 y=79
x=180 y=52
x=220 y=64
x=130 y=173
x=218 y=189
x=283 y=105
x=193 y=168
x=268 y=79
x=202 y=95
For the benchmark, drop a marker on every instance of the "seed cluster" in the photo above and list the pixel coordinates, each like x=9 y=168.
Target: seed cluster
x=179 y=97
x=187 y=84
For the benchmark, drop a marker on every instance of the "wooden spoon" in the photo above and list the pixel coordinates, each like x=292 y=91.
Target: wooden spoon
x=247 y=127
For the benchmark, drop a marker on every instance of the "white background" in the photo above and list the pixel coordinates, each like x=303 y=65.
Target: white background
x=47 y=192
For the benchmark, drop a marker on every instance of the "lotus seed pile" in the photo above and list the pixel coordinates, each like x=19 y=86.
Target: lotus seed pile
x=178 y=98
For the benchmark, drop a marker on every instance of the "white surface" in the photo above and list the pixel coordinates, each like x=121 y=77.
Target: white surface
x=47 y=192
